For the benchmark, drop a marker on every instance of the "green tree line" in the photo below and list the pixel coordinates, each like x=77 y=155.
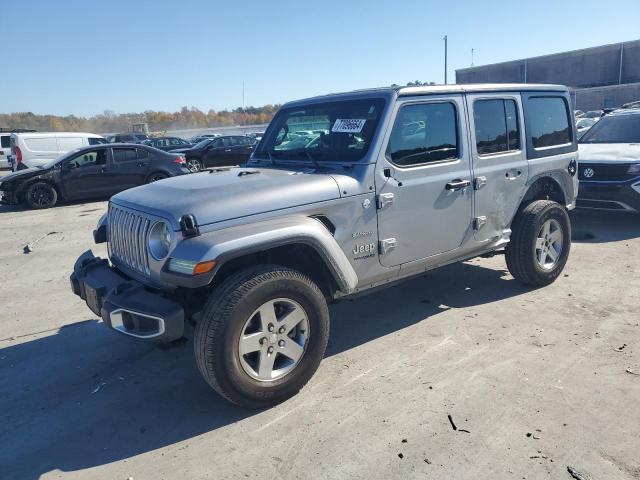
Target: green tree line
x=110 y=122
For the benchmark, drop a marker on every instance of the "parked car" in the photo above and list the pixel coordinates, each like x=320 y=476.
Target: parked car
x=199 y=138
x=252 y=255
x=584 y=124
x=610 y=163
x=167 y=143
x=35 y=149
x=217 y=152
x=595 y=114
x=90 y=172
x=127 y=138
x=257 y=136
x=578 y=114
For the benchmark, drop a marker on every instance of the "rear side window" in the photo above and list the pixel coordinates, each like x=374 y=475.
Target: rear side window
x=496 y=126
x=142 y=153
x=424 y=133
x=96 y=141
x=124 y=155
x=5 y=141
x=548 y=120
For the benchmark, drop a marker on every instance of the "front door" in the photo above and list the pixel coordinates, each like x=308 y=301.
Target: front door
x=424 y=181
x=86 y=175
x=218 y=153
x=499 y=161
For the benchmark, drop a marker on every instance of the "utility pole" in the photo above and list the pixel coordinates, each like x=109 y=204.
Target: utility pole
x=472 y=52
x=244 y=119
x=445 y=59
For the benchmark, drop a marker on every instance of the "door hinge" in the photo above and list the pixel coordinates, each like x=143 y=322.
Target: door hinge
x=479 y=222
x=479 y=182
x=384 y=200
x=386 y=245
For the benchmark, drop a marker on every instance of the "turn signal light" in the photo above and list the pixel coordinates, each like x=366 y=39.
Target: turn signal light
x=204 y=267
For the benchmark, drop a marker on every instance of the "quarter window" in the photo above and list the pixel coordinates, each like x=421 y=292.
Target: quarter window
x=496 y=126
x=548 y=119
x=124 y=154
x=4 y=141
x=424 y=133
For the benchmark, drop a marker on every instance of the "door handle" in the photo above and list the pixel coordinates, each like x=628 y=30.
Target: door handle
x=228 y=150
x=103 y=169
x=141 y=164
x=513 y=174
x=457 y=184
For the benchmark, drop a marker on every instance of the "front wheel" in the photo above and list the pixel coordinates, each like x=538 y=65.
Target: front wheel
x=540 y=243
x=262 y=335
x=41 y=195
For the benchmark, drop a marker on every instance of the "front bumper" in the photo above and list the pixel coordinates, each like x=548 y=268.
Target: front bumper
x=125 y=305
x=613 y=196
x=8 y=197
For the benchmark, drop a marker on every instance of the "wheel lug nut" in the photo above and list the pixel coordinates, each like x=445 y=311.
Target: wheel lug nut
x=270 y=327
x=270 y=350
x=281 y=343
x=281 y=330
x=263 y=340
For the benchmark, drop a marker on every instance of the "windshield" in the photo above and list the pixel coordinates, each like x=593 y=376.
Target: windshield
x=61 y=158
x=614 y=129
x=202 y=143
x=332 y=131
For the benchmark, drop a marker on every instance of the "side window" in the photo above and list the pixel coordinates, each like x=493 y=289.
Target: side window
x=124 y=154
x=96 y=141
x=175 y=142
x=424 y=133
x=548 y=119
x=89 y=159
x=496 y=126
x=217 y=143
x=5 y=141
x=142 y=153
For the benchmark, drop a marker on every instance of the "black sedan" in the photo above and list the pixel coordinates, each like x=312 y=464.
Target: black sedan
x=218 y=152
x=167 y=143
x=98 y=171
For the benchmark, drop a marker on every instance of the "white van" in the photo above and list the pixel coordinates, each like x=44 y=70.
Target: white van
x=5 y=149
x=34 y=149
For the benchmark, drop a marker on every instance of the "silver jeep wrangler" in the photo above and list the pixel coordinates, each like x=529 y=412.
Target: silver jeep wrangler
x=344 y=193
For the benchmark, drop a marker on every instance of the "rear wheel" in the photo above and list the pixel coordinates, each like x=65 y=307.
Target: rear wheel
x=194 y=165
x=154 y=177
x=540 y=243
x=262 y=335
x=41 y=195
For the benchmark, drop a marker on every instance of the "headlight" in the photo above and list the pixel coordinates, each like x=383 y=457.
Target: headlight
x=160 y=238
x=634 y=169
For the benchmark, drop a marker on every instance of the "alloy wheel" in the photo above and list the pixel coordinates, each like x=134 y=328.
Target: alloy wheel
x=274 y=339
x=549 y=244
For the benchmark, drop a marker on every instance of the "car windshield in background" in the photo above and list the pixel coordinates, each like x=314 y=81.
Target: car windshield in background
x=336 y=132
x=203 y=143
x=614 y=129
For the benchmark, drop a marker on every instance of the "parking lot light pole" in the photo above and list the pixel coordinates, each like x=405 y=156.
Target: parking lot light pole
x=445 y=59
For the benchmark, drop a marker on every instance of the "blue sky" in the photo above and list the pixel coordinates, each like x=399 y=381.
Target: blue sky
x=85 y=56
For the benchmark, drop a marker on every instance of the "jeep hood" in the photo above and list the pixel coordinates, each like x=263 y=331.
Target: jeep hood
x=215 y=196
x=609 y=152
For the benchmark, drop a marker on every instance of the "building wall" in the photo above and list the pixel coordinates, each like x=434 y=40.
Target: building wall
x=597 y=98
x=616 y=64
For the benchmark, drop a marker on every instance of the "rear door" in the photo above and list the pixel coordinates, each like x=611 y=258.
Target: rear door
x=498 y=159
x=129 y=168
x=425 y=201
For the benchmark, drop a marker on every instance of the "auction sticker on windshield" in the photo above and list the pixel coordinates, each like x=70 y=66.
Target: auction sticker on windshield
x=348 y=125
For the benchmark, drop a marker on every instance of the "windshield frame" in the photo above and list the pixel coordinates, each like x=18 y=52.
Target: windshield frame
x=310 y=156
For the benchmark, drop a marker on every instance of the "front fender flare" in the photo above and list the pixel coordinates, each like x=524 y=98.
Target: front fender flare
x=229 y=243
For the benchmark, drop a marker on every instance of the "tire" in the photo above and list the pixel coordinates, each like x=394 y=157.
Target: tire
x=233 y=311
x=41 y=195
x=194 y=165
x=534 y=255
x=154 y=177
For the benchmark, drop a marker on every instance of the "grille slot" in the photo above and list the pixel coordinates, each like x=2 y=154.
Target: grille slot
x=127 y=239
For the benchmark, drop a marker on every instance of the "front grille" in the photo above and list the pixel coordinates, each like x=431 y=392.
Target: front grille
x=601 y=172
x=127 y=238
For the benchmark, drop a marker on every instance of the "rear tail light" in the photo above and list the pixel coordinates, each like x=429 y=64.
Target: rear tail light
x=18 y=155
x=180 y=160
